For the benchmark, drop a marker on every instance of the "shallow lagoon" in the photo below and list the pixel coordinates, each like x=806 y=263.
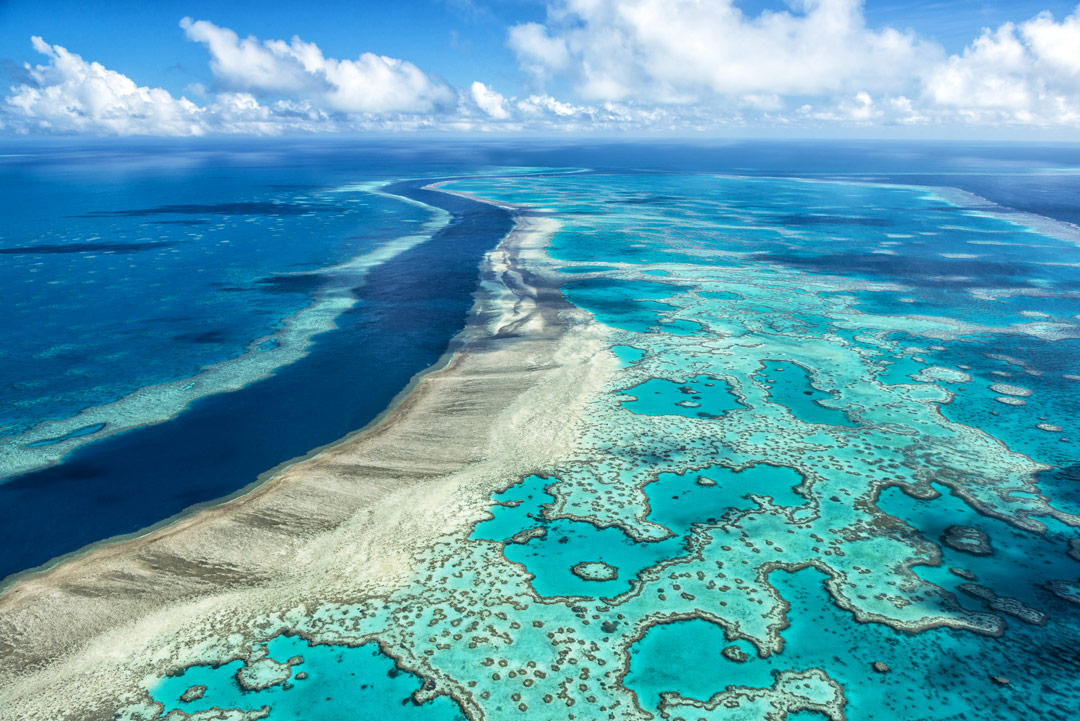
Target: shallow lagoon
x=551 y=557
x=302 y=681
x=939 y=674
x=701 y=396
x=789 y=385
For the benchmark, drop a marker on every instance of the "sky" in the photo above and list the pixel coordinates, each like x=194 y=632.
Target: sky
x=930 y=68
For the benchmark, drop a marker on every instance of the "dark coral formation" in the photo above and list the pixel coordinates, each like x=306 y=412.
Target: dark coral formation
x=967 y=539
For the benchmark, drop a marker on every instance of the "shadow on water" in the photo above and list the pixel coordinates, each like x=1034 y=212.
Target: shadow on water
x=49 y=249
x=220 y=209
x=914 y=271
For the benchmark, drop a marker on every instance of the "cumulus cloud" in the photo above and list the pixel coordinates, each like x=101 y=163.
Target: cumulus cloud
x=538 y=52
x=1055 y=45
x=989 y=74
x=490 y=101
x=265 y=89
x=70 y=94
x=674 y=51
x=684 y=52
x=1027 y=73
x=297 y=69
x=640 y=65
x=542 y=104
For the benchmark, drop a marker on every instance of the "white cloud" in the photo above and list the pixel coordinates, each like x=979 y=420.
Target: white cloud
x=657 y=53
x=490 y=101
x=1055 y=45
x=1026 y=74
x=71 y=95
x=299 y=70
x=660 y=65
x=547 y=105
x=677 y=51
x=989 y=74
x=538 y=51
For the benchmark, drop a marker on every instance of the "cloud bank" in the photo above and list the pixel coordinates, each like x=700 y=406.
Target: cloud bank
x=818 y=61
x=273 y=87
x=298 y=70
x=1027 y=73
x=667 y=65
x=71 y=95
x=676 y=51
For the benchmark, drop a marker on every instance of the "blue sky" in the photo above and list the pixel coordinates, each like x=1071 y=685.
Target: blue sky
x=454 y=39
x=458 y=39
x=552 y=51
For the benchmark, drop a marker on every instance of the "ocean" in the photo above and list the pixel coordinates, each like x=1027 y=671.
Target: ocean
x=217 y=310
x=835 y=469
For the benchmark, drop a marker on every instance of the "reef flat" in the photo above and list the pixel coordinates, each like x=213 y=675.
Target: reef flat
x=697 y=457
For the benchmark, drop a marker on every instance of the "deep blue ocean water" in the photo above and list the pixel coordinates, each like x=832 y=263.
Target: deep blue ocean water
x=172 y=312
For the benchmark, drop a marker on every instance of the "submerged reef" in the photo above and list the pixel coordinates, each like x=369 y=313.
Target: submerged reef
x=595 y=571
x=968 y=540
x=707 y=476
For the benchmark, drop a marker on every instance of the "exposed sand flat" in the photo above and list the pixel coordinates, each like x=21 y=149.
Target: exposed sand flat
x=342 y=526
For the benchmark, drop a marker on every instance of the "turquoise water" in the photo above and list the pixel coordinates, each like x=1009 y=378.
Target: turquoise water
x=627 y=354
x=934 y=675
x=679 y=500
x=701 y=396
x=862 y=320
x=789 y=384
x=1021 y=561
x=305 y=682
x=632 y=306
x=581 y=269
x=566 y=543
x=720 y=295
x=761 y=497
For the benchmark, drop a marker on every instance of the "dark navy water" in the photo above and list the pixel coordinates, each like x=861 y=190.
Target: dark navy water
x=407 y=311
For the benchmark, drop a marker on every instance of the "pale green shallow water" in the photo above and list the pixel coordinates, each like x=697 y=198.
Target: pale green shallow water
x=803 y=407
